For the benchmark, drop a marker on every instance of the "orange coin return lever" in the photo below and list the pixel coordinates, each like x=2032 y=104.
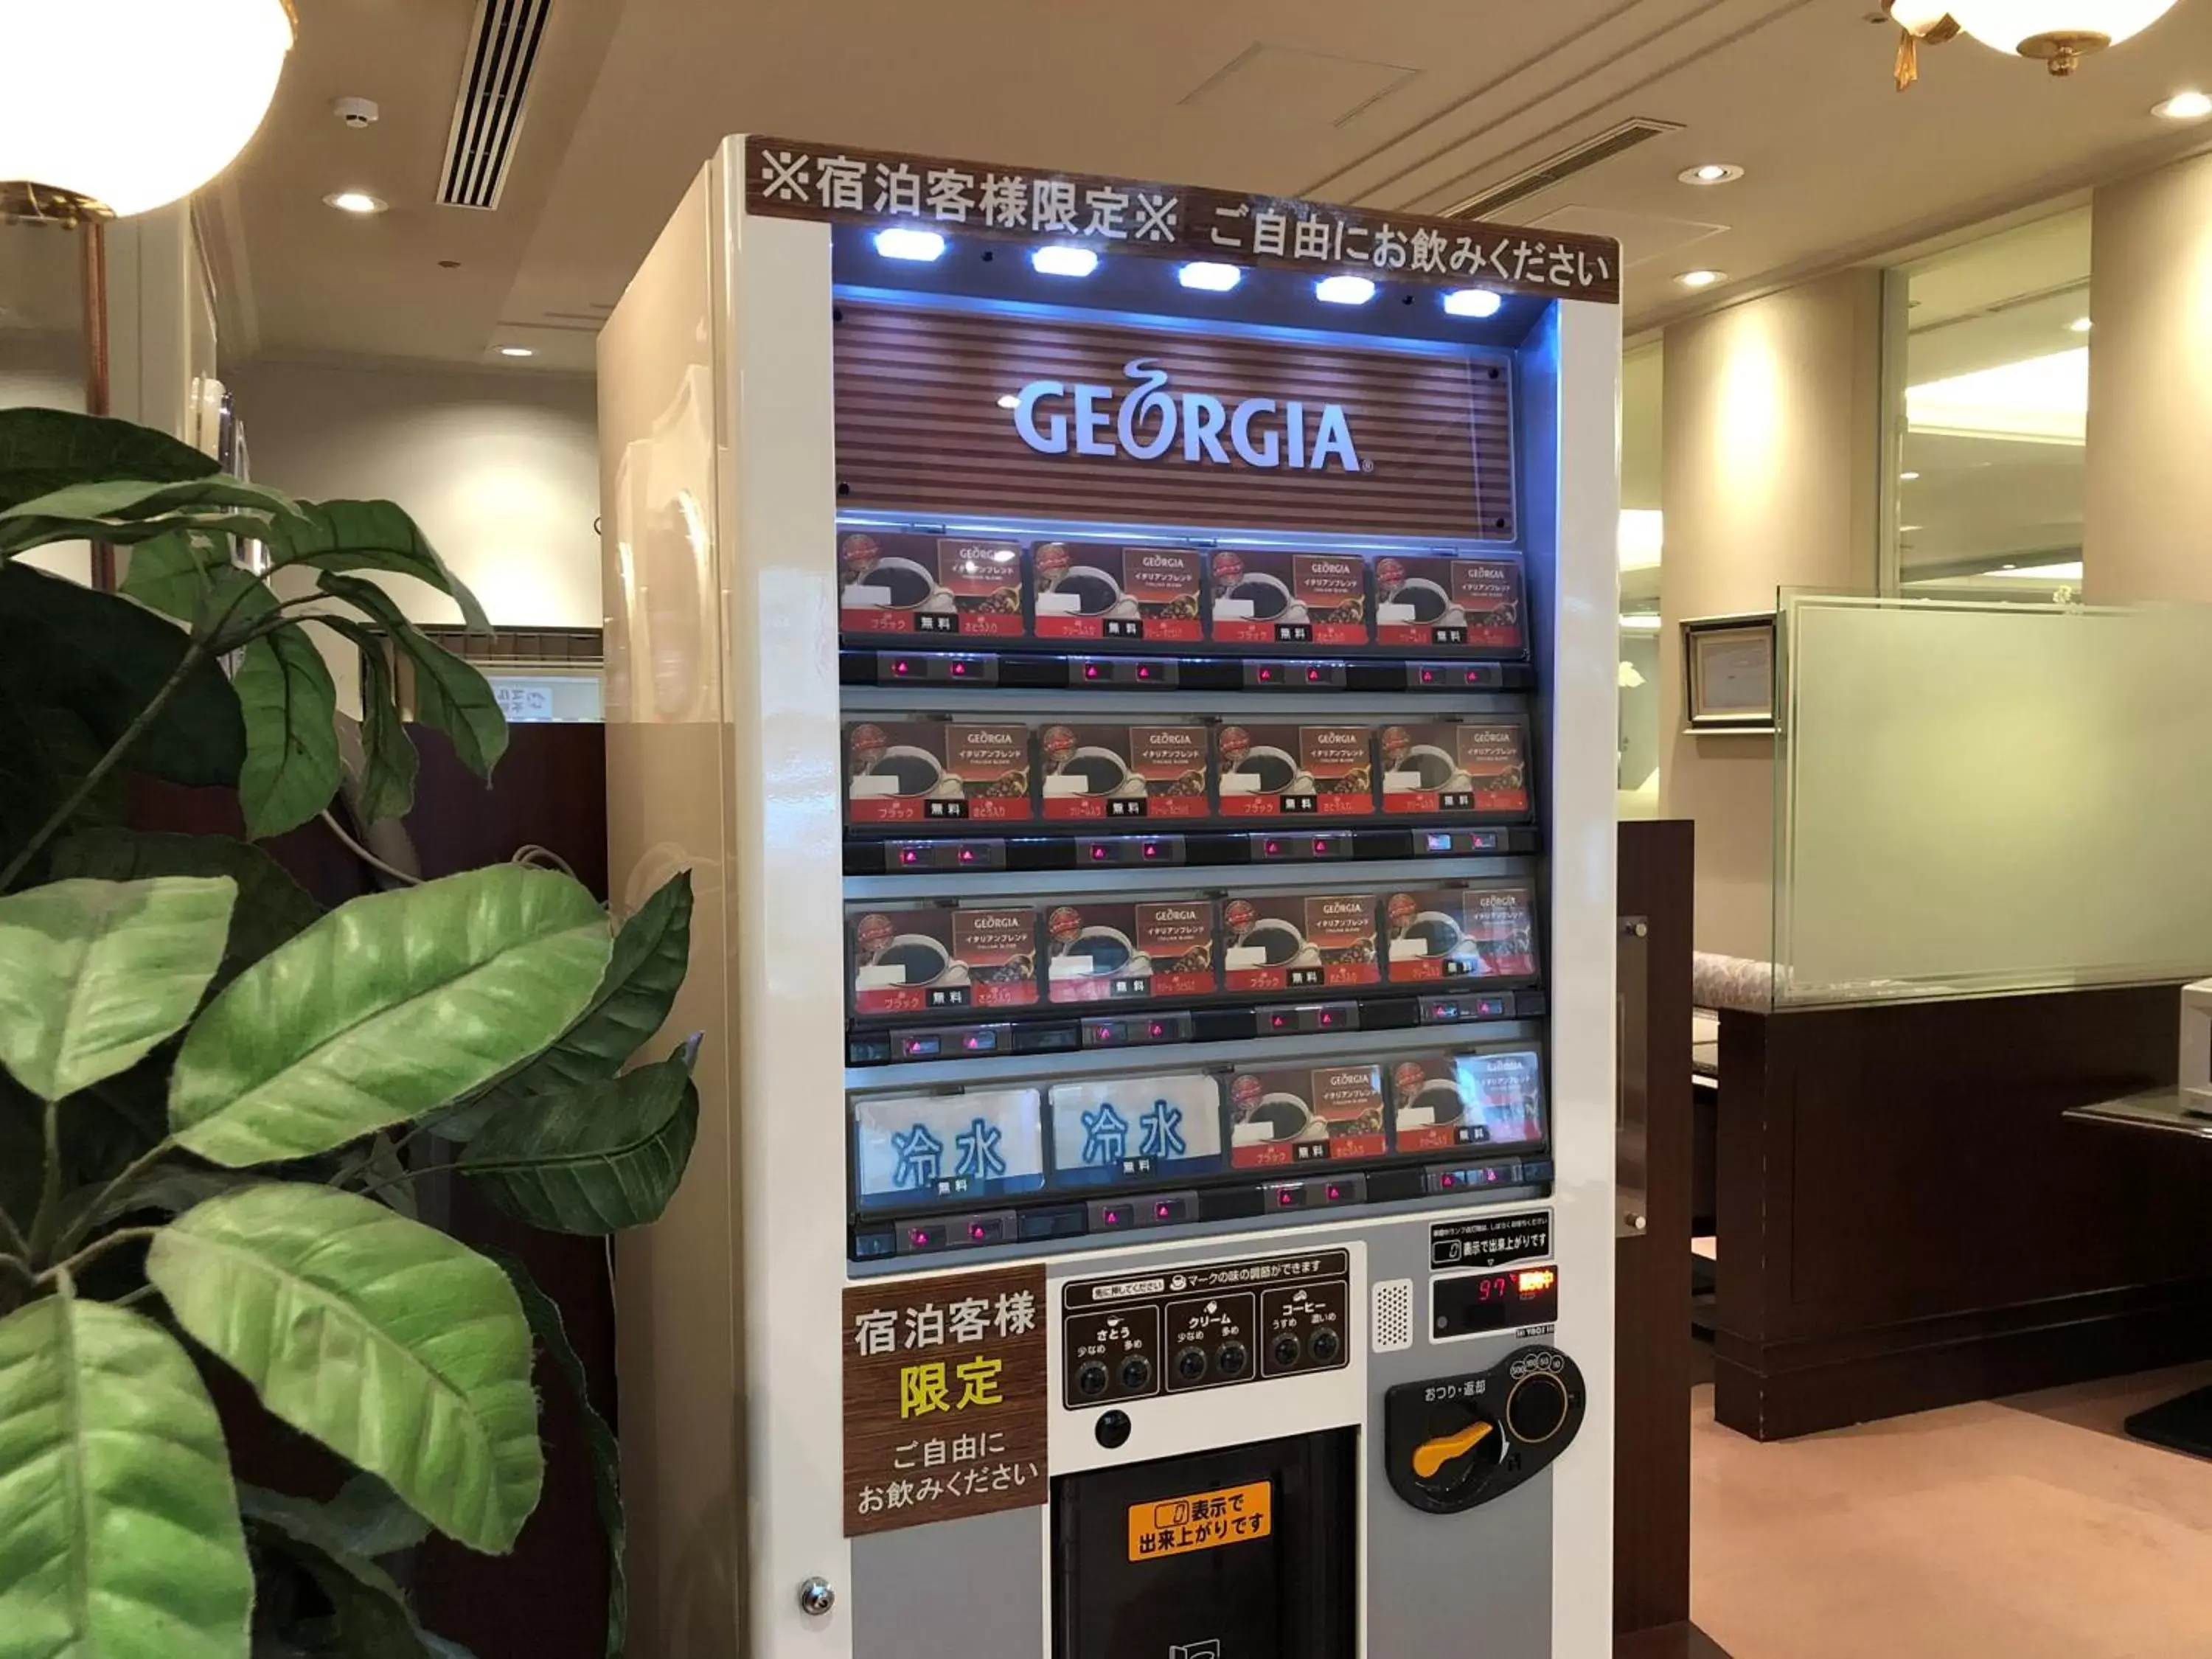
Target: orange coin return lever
x=1430 y=1455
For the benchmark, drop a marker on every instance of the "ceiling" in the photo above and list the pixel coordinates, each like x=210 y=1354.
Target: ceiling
x=1406 y=104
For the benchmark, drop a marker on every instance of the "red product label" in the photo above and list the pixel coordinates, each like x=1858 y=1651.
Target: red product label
x=1285 y=1117
x=932 y=588
x=1473 y=766
x=1295 y=771
x=933 y=958
x=1459 y=933
x=1131 y=952
x=1300 y=943
x=937 y=772
x=1124 y=595
x=1289 y=598
x=1119 y=772
x=1460 y=603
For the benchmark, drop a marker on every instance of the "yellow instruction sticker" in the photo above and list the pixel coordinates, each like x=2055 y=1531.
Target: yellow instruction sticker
x=1204 y=1521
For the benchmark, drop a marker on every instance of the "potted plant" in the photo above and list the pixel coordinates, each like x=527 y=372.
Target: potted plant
x=215 y=1098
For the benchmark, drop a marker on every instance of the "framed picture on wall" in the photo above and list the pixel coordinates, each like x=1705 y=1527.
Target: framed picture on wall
x=1728 y=673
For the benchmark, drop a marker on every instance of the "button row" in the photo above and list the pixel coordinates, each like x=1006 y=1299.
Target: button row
x=1040 y=670
x=936 y=857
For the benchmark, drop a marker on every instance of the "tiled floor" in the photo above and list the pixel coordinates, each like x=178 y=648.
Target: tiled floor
x=2022 y=1528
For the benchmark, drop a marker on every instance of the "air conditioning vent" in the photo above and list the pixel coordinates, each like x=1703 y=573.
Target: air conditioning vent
x=1578 y=158
x=488 y=118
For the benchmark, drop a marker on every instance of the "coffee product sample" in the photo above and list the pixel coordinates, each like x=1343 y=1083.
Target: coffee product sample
x=1093 y=773
x=928 y=957
x=1462 y=934
x=1278 y=1116
x=1115 y=594
x=924 y=1148
x=1289 y=598
x=1295 y=771
x=937 y=772
x=1457 y=603
x=1124 y=1128
x=1130 y=952
x=1478 y=767
x=928 y=588
x=1491 y=1098
x=1299 y=941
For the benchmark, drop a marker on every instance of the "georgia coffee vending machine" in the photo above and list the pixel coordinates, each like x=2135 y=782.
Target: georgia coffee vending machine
x=1131 y=668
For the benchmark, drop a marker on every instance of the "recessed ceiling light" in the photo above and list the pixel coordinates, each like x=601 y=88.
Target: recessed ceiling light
x=1064 y=261
x=1906 y=478
x=1701 y=278
x=1712 y=173
x=1908 y=529
x=355 y=201
x=901 y=243
x=1210 y=276
x=1473 y=302
x=2184 y=107
x=2079 y=326
x=516 y=351
x=1344 y=290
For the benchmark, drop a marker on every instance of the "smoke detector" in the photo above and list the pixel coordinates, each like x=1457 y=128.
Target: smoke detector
x=355 y=113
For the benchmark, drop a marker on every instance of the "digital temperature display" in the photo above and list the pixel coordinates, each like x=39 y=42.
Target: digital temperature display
x=1472 y=1305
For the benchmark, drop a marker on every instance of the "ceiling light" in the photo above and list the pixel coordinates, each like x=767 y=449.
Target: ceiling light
x=2079 y=326
x=2184 y=107
x=1064 y=261
x=1906 y=478
x=1640 y=622
x=516 y=351
x=1473 y=302
x=1701 y=278
x=355 y=201
x=1214 y=278
x=2059 y=33
x=2065 y=570
x=1908 y=529
x=1712 y=173
x=122 y=106
x=1344 y=290
x=903 y=242
x=1008 y=400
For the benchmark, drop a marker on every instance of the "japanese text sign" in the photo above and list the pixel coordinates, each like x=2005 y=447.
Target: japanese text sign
x=945 y=1398
x=786 y=178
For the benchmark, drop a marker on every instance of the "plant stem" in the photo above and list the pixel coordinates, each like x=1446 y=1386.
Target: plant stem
x=91 y=1252
x=21 y=1267
x=107 y=764
x=47 y=1221
x=374 y=1187
x=130 y=1177
x=11 y=1235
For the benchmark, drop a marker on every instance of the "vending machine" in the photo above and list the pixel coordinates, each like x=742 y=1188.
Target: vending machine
x=1131 y=669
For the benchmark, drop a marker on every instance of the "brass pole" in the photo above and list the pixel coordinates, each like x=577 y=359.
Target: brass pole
x=94 y=246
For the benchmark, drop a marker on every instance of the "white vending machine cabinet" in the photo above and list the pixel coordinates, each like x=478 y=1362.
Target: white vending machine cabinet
x=1131 y=669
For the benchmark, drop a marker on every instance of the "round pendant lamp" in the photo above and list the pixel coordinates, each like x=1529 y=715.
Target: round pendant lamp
x=2059 y=33
x=119 y=107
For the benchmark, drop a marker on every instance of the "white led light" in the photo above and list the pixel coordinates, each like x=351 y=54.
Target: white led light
x=1701 y=278
x=355 y=201
x=1344 y=290
x=1712 y=173
x=1008 y=400
x=2079 y=326
x=1214 y=278
x=1473 y=302
x=516 y=351
x=2184 y=107
x=903 y=242
x=1064 y=261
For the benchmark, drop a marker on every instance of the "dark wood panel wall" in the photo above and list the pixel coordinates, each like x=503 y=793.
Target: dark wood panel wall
x=1651 y=1418
x=1906 y=1218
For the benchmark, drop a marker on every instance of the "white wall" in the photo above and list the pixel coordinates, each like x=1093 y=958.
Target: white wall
x=46 y=371
x=501 y=470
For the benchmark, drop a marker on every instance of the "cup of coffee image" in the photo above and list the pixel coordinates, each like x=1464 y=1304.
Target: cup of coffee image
x=907 y=586
x=1275 y=1117
x=1435 y=1104
x=916 y=771
x=1108 y=951
x=1270 y=598
x=922 y=960
x=1094 y=593
x=1101 y=771
x=1428 y=602
x=1436 y=768
x=1281 y=944
x=1278 y=771
x=1437 y=934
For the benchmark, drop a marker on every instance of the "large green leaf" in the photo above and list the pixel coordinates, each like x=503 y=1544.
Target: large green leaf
x=271 y=907
x=386 y=1008
x=342 y=536
x=43 y=752
x=552 y=1333
x=119 y=1535
x=592 y=1159
x=291 y=705
x=651 y=955
x=42 y=450
x=178 y=572
x=449 y=694
x=103 y=659
x=374 y=1620
x=393 y=1344
x=389 y=760
x=128 y=510
x=92 y=973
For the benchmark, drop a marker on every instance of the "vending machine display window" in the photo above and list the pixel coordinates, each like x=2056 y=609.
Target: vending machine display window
x=929 y=587
x=911 y=1149
x=1462 y=934
x=1303 y=600
x=1131 y=952
x=1492 y=1097
x=1116 y=595
x=1150 y=1129
x=1146 y=771
x=937 y=772
x=1476 y=767
x=1280 y=1116
x=1300 y=941
x=1460 y=604
x=926 y=959
x=1305 y=772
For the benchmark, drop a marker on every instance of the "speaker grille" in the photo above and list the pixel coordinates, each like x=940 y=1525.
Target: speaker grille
x=1391 y=1315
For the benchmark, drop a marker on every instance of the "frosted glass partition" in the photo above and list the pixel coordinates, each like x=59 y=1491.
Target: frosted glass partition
x=1977 y=799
